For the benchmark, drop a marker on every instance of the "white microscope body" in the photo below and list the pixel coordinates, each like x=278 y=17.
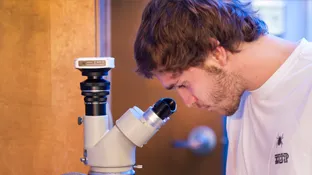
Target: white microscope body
x=108 y=149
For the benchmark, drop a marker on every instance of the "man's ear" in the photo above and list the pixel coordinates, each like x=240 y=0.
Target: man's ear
x=217 y=58
x=220 y=56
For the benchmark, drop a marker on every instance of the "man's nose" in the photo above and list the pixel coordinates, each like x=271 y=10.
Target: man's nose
x=187 y=97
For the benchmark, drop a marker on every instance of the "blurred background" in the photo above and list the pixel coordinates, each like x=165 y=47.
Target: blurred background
x=40 y=95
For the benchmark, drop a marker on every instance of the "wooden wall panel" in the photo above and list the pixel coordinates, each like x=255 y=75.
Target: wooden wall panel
x=25 y=91
x=39 y=94
x=158 y=156
x=73 y=35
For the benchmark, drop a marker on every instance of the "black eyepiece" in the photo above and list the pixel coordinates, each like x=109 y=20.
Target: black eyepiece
x=164 y=107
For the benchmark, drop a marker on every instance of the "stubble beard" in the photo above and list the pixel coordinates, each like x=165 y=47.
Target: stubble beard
x=227 y=92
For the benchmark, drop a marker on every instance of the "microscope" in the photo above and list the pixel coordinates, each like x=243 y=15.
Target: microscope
x=108 y=149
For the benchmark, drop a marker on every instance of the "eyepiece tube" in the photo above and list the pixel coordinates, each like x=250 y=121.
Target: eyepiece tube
x=164 y=108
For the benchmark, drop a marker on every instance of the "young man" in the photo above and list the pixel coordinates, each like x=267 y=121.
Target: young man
x=218 y=55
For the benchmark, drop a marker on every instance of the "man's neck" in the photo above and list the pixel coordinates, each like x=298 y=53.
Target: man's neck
x=259 y=60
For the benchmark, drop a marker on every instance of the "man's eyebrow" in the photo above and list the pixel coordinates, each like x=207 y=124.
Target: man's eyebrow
x=170 y=87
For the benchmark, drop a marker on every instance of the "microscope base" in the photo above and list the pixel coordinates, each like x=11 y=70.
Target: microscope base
x=130 y=172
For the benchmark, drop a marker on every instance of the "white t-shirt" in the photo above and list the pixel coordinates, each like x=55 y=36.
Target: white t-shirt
x=271 y=133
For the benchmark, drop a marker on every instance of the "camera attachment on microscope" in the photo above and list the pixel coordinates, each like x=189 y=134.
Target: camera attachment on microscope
x=95 y=88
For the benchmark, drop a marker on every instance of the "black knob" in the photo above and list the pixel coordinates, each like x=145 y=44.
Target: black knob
x=80 y=120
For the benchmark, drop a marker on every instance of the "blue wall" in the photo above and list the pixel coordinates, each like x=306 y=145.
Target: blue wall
x=309 y=20
x=298 y=15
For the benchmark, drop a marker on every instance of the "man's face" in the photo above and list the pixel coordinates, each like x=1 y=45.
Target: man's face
x=210 y=88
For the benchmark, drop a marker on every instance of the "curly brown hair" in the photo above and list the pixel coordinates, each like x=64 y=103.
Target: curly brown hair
x=175 y=35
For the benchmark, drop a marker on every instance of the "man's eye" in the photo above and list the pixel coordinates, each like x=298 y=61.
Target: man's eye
x=182 y=86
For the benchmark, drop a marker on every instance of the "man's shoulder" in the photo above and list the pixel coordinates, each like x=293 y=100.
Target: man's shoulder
x=306 y=51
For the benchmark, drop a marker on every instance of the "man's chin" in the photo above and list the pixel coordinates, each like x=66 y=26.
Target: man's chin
x=230 y=113
x=225 y=112
x=220 y=111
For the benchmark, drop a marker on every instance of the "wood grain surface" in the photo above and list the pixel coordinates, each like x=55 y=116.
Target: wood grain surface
x=39 y=93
